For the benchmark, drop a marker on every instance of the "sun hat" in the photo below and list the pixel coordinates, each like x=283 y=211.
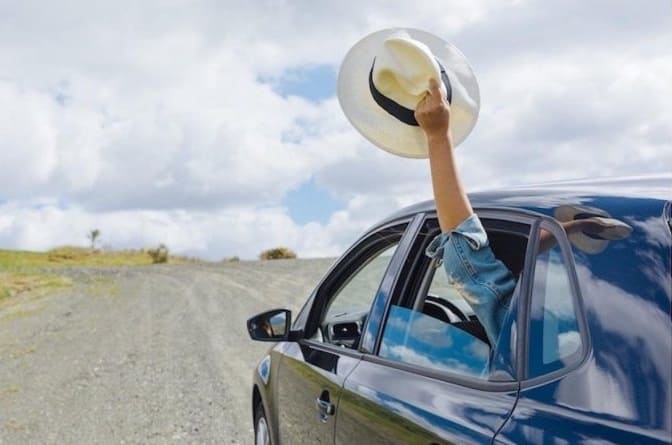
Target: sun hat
x=386 y=74
x=611 y=229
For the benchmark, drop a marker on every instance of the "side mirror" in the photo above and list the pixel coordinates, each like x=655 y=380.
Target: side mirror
x=270 y=326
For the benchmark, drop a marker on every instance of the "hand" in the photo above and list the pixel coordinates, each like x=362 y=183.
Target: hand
x=433 y=112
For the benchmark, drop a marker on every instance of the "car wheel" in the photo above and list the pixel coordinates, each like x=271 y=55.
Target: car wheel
x=262 y=434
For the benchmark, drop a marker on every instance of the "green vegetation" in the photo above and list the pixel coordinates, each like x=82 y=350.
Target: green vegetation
x=80 y=257
x=22 y=273
x=278 y=253
x=34 y=283
x=16 y=282
x=159 y=255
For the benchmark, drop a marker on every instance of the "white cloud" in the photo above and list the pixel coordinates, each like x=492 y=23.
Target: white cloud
x=574 y=115
x=150 y=122
x=407 y=355
x=211 y=234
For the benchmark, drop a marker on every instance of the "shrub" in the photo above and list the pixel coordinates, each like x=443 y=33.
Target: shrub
x=278 y=253
x=159 y=255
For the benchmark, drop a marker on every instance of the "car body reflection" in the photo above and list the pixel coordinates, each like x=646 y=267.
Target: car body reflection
x=413 y=337
x=621 y=393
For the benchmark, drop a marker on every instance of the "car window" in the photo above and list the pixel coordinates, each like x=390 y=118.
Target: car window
x=415 y=338
x=441 y=289
x=554 y=336
x=357 y=294
x=438 y=329
x=349 y=302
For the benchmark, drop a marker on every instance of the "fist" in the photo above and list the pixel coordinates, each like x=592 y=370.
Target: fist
x=433 y=112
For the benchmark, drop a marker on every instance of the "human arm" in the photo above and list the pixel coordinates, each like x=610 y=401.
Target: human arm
x=433 y=116
x=484 y=282
x=546 y=240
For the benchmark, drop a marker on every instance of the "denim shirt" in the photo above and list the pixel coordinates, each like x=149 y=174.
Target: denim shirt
x=480 y=278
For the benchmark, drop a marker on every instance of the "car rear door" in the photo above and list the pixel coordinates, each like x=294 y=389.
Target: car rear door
x=596 y=341
x=424 y=380
x=314 y=368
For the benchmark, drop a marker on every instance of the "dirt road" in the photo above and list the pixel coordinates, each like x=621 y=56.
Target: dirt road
x=148 y=355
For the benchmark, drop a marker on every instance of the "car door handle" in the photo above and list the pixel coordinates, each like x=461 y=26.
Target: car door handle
x=324 y=409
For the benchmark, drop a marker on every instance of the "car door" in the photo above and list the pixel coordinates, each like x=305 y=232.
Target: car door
x=596 y=362
x=313 y=368
x=430 y=377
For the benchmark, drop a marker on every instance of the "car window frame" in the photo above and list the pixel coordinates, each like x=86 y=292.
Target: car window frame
x=351 y=262
x=560 y=235
x=404 y=256
x=507 y=215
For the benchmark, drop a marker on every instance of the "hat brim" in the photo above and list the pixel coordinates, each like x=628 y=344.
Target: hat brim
x=376 y=124
x=613 y=229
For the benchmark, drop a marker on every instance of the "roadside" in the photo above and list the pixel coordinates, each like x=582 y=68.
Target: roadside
x=155 y=354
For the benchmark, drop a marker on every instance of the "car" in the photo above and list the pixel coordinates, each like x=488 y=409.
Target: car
x=385 y=351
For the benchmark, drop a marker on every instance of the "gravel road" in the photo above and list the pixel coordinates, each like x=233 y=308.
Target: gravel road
x=147 y=355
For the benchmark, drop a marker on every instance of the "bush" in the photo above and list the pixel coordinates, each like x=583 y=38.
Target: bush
x=159 y=255
x=278 y=253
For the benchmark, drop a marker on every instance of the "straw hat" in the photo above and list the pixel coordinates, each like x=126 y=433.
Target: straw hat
x=611 y=229
x=386 y=74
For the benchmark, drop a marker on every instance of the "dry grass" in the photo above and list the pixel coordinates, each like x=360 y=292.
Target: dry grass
x=79 y=256
x=21 y=274
x=35 y=284
x=21 y=292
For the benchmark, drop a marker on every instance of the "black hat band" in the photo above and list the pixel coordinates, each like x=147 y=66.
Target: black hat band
x=405 y=115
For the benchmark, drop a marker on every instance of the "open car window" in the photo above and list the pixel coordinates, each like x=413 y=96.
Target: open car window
x=437 y=329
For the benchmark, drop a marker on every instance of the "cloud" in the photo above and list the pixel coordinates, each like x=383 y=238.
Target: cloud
x=407 y=355
x=156 y=118
x=210 y=234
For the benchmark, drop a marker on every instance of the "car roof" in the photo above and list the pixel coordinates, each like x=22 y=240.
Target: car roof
x=655 y=188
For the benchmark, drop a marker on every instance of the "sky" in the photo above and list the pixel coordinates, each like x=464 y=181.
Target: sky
x=213 y=126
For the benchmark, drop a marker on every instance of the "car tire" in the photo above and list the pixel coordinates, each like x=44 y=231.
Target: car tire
x=262 y=432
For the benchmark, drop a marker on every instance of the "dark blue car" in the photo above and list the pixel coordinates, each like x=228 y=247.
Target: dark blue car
x=385 y=351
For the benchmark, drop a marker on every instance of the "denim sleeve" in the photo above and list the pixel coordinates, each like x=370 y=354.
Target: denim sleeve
x=472 y=268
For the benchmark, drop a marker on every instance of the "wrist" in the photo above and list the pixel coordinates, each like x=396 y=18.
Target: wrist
x=439 y=137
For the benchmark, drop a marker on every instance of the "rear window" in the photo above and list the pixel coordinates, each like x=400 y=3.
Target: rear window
x=554 y=336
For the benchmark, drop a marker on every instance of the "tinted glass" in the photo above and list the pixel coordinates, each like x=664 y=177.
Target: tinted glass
x=554 y=335
x=415 y=338
x=349 y=308
x=361 y=288
x=439 y=330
